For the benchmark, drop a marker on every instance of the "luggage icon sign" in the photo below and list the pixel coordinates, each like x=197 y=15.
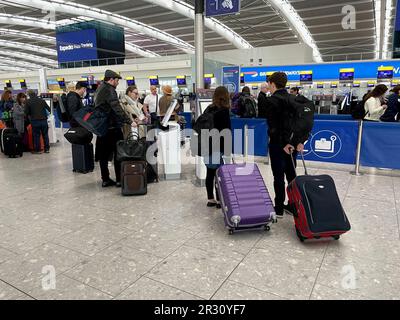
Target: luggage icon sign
x=323 y=145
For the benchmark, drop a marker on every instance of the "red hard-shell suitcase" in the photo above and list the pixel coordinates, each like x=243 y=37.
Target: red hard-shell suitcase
x=316 y=207
x=245 y=200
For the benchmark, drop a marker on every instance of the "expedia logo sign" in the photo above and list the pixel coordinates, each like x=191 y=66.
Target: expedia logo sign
x=71 y=47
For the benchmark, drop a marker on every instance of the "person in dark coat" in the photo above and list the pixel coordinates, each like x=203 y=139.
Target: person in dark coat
x=37 y=110
x=222 y=121
x=74 y=102
x=106 y=98
x=392 y=113
x=283 y=146
x=262 y=101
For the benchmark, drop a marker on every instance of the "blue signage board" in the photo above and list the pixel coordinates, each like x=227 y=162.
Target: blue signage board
x=221 y=7
x=77 y=46
x=231 y=78
x=326 y=71
x=333 y=141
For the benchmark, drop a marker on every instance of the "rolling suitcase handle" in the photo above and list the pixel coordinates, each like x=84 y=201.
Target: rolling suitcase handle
x=303 y=160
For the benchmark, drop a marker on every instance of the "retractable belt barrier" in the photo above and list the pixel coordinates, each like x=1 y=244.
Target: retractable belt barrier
x=380 y=146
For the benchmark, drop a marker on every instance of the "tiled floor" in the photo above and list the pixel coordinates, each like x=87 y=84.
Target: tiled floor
x=167 y=245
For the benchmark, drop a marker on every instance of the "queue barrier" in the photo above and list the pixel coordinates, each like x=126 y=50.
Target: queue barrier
x=380 y=146
x=258 y=128
x=338 y=117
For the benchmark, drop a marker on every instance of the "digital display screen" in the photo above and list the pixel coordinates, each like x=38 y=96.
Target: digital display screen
x=346 y=76
x=130 y=82
x=23 y=84
x=77 y=46
x=62 y=84
x=8 y=84
x=306 y=78
x=181 y=82
x=154 y=82
x=385 y=74
x=333 y=86
x=320 y=86
x=53 y=85
x=371 y=85
x=207 y=80
x=356 y=85
x=242 y=80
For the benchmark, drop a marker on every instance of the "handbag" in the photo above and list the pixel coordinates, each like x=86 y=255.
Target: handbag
x=95 y=120
x=79 y=136
x=131 y=150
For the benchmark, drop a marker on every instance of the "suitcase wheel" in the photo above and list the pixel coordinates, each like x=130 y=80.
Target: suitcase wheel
x=336 y=238
x=301 y=238
x=267 y=228
x=231 y=232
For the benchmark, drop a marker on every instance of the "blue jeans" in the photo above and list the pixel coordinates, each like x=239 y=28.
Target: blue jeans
x=40 y=127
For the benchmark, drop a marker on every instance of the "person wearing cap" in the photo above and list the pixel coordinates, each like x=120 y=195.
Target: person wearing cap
x=106 y=98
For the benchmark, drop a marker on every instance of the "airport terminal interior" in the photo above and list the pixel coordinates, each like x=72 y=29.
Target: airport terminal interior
x=142 y=74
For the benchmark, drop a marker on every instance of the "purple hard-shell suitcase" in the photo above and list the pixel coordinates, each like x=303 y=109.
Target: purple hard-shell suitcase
x=245 y=200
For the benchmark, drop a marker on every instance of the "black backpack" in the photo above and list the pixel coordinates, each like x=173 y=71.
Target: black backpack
x=204 y=122
x=302 y=118
x=62 y=109
x=358 y=110
x=248 y=107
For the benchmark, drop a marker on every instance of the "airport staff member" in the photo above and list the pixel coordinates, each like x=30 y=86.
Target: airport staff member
x=106 y=146
x=151 y=104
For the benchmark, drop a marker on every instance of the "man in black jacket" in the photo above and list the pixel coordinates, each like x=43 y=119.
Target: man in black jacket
x=74 y=102
x=283 y=146
x=106 y=98
x=262 y=101
x=36 y=110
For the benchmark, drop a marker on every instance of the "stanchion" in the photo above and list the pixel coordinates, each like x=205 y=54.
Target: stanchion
x=357 y=172
x=246 y=142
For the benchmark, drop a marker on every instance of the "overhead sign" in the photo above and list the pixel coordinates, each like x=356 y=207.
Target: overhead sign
x=231 y=78
x=324 y=71
x=221 y=7
x=77 y=46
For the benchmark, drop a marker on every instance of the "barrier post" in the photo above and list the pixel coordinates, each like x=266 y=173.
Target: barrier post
x=357 y=172
x=246 y=142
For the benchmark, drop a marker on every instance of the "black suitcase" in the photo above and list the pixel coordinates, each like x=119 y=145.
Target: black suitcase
x=11 y=143
x=83 y=158
x=317 y=210
x=134 y=178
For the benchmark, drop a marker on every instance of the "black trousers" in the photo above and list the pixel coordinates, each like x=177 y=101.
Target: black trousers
x=282 y=166
x=210 y=184
x=106 y=148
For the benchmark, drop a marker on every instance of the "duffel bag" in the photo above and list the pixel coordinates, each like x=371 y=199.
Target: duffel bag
x=79 y=136
x=94 y=120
